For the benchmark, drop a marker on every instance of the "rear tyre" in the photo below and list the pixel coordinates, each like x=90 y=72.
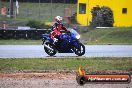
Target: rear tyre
x=48 y=51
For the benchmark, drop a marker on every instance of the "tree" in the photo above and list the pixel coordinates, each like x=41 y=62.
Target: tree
x=102 y=17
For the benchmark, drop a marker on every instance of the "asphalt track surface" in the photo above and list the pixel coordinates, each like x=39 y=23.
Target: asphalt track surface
x=37 y=51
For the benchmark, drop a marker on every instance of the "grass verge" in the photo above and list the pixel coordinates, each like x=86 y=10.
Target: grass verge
x=119 y=35
x=115 y=36
x=37 y=64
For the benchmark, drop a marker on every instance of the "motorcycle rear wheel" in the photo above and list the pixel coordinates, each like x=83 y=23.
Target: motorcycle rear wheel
x=48 y=51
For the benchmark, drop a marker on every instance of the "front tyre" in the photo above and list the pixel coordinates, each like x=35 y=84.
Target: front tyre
x=49 y=51
x=80 y=50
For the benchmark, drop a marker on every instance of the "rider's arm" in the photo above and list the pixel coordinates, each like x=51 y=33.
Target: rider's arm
x=64 y=28
x=54 y=26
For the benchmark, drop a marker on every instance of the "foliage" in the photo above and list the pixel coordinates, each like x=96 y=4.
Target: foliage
x=73 y=18
x=102 y=17
x=37 y=24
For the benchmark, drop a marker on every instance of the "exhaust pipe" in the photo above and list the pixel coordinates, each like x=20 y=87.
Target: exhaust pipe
x=48 y=47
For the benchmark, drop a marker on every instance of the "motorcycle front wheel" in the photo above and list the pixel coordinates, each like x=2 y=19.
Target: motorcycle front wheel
x=49 y=51
x=80 y=50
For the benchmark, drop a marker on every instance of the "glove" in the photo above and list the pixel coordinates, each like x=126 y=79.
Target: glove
x=55 y=40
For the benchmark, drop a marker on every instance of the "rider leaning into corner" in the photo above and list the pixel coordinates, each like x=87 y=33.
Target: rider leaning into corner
x=56 y=29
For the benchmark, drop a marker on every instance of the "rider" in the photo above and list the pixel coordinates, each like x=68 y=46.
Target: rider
x=56 y=29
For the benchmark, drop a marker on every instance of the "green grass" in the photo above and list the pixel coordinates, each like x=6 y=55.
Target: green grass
x=37 y=64
x=121 y=35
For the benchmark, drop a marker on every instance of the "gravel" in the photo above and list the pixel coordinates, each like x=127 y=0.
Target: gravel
x=49 y=80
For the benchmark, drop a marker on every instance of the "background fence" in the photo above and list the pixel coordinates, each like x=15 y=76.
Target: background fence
x=42 y=10
x=22 y=34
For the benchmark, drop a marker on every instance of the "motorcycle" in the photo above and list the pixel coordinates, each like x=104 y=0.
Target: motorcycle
x=69 y=44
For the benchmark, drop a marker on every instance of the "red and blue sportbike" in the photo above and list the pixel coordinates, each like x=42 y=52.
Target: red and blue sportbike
x=68 y=43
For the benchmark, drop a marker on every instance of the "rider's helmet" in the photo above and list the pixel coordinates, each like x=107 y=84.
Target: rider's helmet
x=58 y=19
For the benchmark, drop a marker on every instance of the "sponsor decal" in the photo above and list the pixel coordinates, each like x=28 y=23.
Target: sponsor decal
x=83 y=78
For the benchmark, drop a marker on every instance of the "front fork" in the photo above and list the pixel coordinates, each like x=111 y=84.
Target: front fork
x=76 y=44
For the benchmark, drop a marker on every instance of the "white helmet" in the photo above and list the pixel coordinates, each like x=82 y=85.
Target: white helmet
x=58 y=18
